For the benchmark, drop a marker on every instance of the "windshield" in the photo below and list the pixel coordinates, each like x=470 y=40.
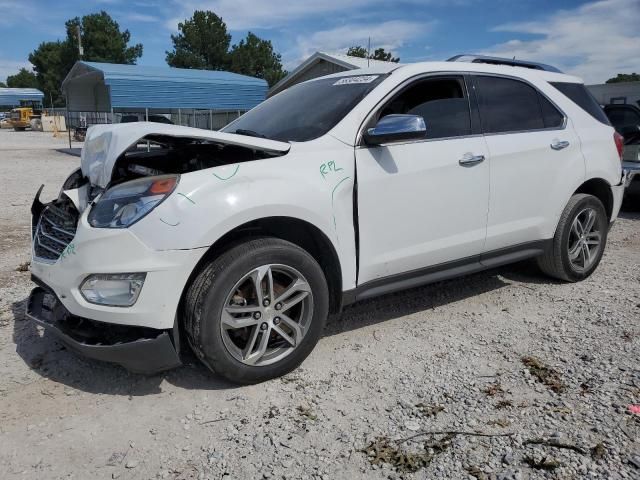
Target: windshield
x=305 y=111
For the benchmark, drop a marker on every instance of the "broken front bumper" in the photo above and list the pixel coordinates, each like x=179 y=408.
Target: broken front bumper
x=138 y=349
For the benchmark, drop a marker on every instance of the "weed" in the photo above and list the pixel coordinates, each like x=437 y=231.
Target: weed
x=476 y=473
x=307 y=412
x=544 y=374
x=548 y=464
x=501 y=422
x=493 y=390
x=23 y=267
x=598 y=451
x=429 y=410
x=504 y=404
x=384 y=450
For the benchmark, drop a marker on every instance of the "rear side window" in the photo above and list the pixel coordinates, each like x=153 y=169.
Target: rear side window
x=579 y=95
x=508 y=105
x=550 y=114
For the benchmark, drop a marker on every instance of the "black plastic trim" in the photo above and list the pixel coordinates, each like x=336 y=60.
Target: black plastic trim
x=152 y=350
x=445 y=271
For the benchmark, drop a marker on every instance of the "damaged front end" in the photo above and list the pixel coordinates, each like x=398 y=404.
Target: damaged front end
x=117 y=153
x=126 y=170
x=138 y=349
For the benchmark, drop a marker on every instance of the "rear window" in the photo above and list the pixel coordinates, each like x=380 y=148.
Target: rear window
x=508 y=105
x=578 y=93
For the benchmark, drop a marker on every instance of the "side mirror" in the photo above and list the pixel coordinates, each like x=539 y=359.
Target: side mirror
x=393 y=128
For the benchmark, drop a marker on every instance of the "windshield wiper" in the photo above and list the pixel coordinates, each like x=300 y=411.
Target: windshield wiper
x=249 y=133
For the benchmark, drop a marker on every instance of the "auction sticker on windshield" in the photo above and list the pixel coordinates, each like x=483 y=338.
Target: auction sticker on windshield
x=355 y=80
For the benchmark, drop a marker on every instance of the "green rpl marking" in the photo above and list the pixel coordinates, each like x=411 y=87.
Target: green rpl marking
x=183 y=195
x=230 y=176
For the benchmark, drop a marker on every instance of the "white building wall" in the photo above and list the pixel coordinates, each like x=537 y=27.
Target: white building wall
x=626 y=92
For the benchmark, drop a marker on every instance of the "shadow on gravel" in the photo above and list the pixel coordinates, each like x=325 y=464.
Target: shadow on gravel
x=407 y=302
x=630 y=207
x=45 y=355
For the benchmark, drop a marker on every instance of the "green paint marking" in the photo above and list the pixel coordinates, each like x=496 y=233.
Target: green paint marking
x=336 y=187
x=230 y=176
x=183 y=195
x=68 y=250
x=170 y=224
x=326 y=168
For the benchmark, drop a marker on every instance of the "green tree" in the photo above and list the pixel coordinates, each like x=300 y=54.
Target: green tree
x=102 y=41
x=51 y=67
x=23 y=79
x=625 y=77
x=3 y=85
x=357 y=51
x=255 y=57
x=378 y=54
x=202 y=42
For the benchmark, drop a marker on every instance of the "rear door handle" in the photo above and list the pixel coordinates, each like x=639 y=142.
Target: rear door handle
x=559 y=144
x=470 y=159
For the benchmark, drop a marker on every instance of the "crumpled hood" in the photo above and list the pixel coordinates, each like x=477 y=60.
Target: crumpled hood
x=105 y=143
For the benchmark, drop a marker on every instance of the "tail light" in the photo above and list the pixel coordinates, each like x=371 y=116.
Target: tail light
x=619 y=140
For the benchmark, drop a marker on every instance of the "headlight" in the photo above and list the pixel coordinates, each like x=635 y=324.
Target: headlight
x=115 y=289
x=123 y=205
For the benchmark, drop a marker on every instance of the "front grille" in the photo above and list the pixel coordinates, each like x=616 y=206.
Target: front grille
x=55 y=230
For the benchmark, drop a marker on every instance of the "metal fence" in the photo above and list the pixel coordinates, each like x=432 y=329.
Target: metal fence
x=205 y=119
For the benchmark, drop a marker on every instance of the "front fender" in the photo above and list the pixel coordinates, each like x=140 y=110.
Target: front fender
x=210 y=203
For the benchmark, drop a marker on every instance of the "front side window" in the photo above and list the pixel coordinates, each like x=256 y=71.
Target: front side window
x=305 y=111
x=442 y=102
x=508 y=105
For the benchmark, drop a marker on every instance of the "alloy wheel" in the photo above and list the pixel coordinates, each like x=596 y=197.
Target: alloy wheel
x=266 y=314
x=585 y=240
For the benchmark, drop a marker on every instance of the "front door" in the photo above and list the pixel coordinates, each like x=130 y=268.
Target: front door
x=423 y=203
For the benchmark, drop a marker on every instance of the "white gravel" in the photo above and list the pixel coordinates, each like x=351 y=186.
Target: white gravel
x=447 y=357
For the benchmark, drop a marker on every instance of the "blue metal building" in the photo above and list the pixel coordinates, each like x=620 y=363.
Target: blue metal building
x=105 y=87
x=11 y=97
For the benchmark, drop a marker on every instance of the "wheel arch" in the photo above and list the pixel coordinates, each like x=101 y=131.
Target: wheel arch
x=299 y=232
x=601 y=189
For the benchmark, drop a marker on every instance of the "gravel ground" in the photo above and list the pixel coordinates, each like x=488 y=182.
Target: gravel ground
x=534 y=379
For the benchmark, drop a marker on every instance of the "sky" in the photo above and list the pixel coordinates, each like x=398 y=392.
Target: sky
x=592 y=39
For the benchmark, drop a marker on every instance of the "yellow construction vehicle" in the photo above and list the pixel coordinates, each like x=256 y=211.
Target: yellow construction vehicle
x=27 y=115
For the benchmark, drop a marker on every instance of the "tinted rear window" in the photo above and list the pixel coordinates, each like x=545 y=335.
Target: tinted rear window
x=508 y=105
x=578 y=93
x=552 y=117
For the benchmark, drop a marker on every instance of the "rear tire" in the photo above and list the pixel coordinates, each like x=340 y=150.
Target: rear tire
x=257 y=311
x=579 y=241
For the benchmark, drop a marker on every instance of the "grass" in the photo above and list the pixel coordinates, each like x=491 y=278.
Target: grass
x=383 y=450
x=544 y=374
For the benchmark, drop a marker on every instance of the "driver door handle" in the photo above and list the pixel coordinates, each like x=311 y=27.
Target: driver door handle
x=470 y=159
x=559 y=144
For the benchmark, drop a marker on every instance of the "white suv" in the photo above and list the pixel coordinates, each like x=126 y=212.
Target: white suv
x=241 y=242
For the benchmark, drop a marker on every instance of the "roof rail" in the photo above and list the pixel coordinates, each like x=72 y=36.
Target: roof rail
x=503 y=61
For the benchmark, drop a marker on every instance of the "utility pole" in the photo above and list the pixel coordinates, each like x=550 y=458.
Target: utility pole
x=369 y=51
x=80 y=49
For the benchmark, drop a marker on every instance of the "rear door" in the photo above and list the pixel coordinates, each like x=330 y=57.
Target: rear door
x=535 y=160
x=423 y=203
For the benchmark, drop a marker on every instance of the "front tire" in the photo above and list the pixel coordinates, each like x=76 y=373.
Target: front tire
x=579 y=242
x=256 y=311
